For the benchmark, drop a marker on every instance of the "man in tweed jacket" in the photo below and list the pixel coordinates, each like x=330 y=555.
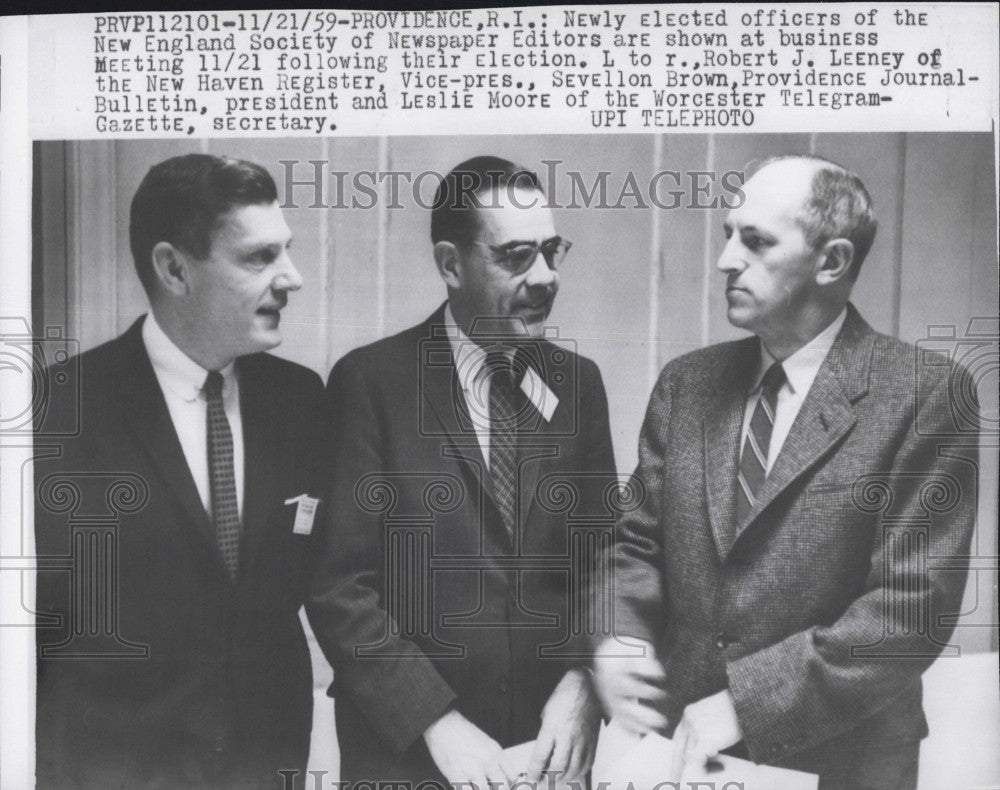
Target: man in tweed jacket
x=790 y=573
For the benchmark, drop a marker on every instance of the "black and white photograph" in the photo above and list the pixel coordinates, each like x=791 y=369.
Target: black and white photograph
x=661 y=456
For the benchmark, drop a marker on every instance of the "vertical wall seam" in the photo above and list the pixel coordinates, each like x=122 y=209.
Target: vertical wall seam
x=111 y=229
x=326 y=271
x=707 y=266
x=897 y=279
x=973 y=225
x=75 y=301
x=655 y=278
x=67 y=228
x=381 y=282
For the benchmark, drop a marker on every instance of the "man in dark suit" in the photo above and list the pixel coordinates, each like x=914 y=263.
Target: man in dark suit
x=175 y=527
x=783 y=586
x=473 y=461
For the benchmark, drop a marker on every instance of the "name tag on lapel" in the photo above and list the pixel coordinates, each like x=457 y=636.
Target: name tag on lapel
x=539 y=394
x=305 y=513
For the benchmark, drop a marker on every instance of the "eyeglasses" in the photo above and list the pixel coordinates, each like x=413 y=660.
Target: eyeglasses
x=517 y=259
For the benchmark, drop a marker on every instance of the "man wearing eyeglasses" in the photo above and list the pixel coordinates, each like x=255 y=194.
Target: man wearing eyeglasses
x=450 y=603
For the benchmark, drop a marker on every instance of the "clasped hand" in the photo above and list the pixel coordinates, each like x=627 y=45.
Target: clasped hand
x=566 y=742
x=630 y=682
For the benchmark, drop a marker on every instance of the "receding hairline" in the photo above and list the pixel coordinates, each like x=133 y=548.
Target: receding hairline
x=818 y=163
x=812 y=165
x=798 y=202
x=837 y=204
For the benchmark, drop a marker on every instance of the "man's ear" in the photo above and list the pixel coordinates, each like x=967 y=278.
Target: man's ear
x=171 y=268
x=449 y=264
x=836 y=258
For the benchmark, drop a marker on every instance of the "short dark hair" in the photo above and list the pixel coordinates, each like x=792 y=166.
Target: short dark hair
x=453 y=214
x=181 y=199
x=839 y=207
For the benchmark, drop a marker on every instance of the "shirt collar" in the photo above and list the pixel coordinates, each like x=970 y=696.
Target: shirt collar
x=470 y=362
x=175 y=369
x=470 y=359
x=802 y=366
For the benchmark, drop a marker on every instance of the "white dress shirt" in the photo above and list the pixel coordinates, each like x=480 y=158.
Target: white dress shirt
x=800 y=372
x=474 y=378
x=182 y=380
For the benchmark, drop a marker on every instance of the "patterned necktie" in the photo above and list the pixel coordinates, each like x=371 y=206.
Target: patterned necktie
x=225 y=510
x=503 y=436
x=753 y=461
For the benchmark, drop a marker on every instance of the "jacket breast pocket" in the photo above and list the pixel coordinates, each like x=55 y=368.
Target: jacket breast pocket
x=830 y=487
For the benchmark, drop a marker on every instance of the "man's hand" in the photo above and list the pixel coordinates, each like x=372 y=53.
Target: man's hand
x=707 y=727
x=464 y=753
x=631 y=687
x=567 y=739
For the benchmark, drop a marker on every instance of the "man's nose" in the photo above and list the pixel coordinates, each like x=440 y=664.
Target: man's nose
x=731 y=258
x=288 y=278
x=540 y=273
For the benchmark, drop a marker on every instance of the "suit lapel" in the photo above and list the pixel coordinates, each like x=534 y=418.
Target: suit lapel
x=261 y=453
x=144 y=412
x=723 y=421
x=532 y=459
x=445 y=402
x=827 y=414
x=825 y=417
x=537 y=445
x=443 y=395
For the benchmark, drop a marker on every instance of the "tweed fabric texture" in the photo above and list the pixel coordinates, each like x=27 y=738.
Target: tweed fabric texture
x=820 y=608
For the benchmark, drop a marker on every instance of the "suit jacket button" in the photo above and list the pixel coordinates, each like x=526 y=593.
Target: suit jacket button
x=721 y=641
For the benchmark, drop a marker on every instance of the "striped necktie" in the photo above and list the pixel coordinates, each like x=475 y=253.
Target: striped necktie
x=503 y=437
x=753 y=461
x=222 y=476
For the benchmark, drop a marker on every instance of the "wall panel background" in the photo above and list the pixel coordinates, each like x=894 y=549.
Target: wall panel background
x=639 y=287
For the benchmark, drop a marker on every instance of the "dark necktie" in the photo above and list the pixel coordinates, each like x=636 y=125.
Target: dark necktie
x=753 y=461
x=225 y=509
x=503 y=437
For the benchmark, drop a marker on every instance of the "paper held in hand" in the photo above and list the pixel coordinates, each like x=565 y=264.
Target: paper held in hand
x=625 y=759
x=627 y=762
